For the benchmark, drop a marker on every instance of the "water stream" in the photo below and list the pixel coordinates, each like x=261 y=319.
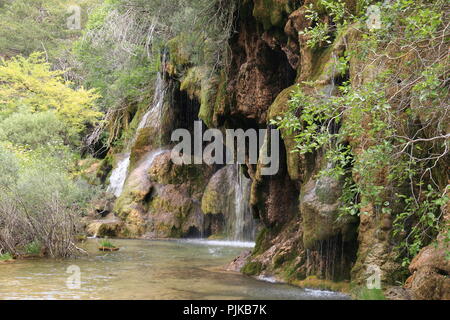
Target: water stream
x=244 y=226
x=145 y=270
x=118 y=176
x=152 y=117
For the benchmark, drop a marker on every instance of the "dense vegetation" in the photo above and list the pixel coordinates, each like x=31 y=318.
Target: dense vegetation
x=67 y=95
x=47 y=118
x=43 y=118
x=400 y=116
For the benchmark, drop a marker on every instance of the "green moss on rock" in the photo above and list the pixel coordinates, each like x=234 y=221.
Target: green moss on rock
x=252 y=268
x=272 y=13
x=278 y=109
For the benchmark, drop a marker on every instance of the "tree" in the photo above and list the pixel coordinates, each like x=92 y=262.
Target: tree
x=28 y=84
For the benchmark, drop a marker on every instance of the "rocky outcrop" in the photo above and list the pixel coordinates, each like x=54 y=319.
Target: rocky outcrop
x=110 y=226
x=430 y=269
x=260 y=69
x=226 y=198
x=303 y=234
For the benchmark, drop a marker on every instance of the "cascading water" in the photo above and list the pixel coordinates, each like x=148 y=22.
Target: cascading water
x=152 y=117
x=154 y=114
x=118 y=176
x=244 y=225
x=140 y=172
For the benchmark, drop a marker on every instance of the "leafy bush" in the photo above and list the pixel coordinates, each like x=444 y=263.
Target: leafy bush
x=34 y=130
x=6 y=257
x=37 y=25
x=39 y=204
x=28 y=84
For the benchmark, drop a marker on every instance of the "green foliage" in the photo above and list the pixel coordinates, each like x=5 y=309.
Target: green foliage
x=29 y=84
x=33 y=248
x=41 y=119
x=424 y=220
x=37 y=25
x=34 y=130
x=6 y=257
x=38 y=194
x=370 y=294
x=320 y=33
x=105 y=243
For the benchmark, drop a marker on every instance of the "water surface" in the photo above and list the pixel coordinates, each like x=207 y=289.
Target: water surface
x=146 y=270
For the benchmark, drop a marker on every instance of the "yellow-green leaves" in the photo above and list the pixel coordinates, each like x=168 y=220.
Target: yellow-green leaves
x=29 y=84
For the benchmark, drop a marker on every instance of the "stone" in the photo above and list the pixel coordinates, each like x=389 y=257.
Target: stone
x=110 y=226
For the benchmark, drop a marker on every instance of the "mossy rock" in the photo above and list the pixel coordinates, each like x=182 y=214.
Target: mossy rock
x=252 y=268
x=179 y=56
x=272 y=13
x=192 y=82
x=322 y=284
x=278 y=109
x=262 y=242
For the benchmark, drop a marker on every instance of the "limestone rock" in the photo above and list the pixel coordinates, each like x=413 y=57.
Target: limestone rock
x=110 y=226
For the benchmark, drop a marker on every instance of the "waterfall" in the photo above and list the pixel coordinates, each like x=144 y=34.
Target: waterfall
x=154 y=114
x=146 y=163
x=118 y=176
x=244 y=225
x=152 y=117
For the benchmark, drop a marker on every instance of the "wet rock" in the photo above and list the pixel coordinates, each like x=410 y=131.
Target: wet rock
x=319 y=207
x=397 y=293
x=110 y=226
x=218 y=197
x=430 y=269
x=238 y=263
x=430 y=278
x=228 y=198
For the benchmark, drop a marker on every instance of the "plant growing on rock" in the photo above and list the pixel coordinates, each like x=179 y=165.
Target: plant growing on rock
x=387 y=135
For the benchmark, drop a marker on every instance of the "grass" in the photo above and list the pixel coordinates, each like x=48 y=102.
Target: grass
x=370 y=294
x=105 y=243
x=33 y=248
x=6 y=257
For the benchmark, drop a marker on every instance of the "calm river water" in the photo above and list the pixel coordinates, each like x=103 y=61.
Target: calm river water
x=146 y=270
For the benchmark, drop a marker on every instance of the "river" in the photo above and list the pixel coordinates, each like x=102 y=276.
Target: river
x=146 y=270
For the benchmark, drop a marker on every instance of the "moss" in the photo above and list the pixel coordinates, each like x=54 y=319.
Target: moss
x=165 y=205
x=178 y=55
x=146 y=139
x=272 y=13
x=363 y=293
x=252 y=268
x=209 y=202
x=221 y=103
x=260 y=243
x=279 y=107
x=192 y=82
x=316 y=283
x=220 y=236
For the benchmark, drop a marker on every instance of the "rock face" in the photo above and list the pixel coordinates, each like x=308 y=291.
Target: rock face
x=260 y=69
x=302 y=231
x=430 y=269
x=226 y=198
x=110 y=226
x=319 y=207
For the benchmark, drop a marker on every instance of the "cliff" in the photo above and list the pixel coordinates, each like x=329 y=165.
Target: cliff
x=305 y=237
